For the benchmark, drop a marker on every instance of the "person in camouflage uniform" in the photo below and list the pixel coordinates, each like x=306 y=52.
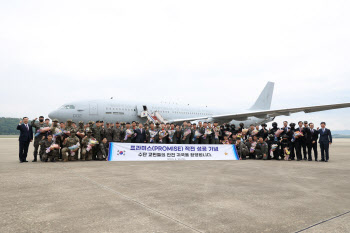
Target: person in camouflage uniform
x=152 y=130
x=261 y=149
x=117 y=133
x=103 y=150
x=204 y=138
x=185 y=139
x=49 y=152
x=108 y=133
x=81 y=135
x=194 y=139
x=68 y=142
x=57 y=139
x=69 y=126
x=128 y=138
x=242 y=149
x=216 y=135
x=86 y=151
x=97 y=132
x=37 y=126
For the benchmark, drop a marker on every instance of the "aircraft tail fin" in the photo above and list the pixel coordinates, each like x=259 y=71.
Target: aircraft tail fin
x=265 y=98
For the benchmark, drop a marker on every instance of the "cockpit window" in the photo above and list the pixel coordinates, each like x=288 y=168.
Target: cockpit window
x=68 y=107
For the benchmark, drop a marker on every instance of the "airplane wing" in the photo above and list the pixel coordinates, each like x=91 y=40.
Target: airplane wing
x=267 y=113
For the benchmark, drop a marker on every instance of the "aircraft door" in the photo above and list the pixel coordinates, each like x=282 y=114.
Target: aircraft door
x=93 y=109
x=141 y=110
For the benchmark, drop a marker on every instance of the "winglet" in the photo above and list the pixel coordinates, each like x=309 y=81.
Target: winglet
x=265 y=98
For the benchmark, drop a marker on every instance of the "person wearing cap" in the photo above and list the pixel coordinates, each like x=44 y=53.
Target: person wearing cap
x=87 y=150
x=291 y=139
x=69 y=126
x=50 y=152
x=108 y=133
x=285 y=147
x=263 y=132
x=325 y=140
x=97 y=134
x=81 y=135
x=68 y=154
x=37 y=126
x=117 y=133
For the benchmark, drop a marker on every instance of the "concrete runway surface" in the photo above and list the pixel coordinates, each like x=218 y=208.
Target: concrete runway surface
x=175 y=196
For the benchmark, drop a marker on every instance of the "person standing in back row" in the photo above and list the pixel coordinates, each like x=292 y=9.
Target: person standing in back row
x=325 y=140
x=25 y=138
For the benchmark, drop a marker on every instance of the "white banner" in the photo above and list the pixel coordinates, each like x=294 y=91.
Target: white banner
x=161 y=152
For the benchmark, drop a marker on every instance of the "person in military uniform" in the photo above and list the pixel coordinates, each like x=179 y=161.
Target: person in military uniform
x=263 y=132
x=291 y=139
x=117 y=133
x=185 y=139
x=261 y=149
x=163 y=131
x=81 y=134
x=37 y=126
x=194 y=139
x=204 y=138
x=87 y=152
x=102 y=153
x=177 y=135
x=97 y=134
x=250 y=143
x=69 y=126
x=128 y=138
x=57 y=139
x=215 y=138
x=285 y=147
x=68 y=142
x=109 y=133
x=242 y=149
x=152 y=134
x=49 y=152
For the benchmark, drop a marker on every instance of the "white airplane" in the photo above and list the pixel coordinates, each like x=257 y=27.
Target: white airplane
x=112 y=110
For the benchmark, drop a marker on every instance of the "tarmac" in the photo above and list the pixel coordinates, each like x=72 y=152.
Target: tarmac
x=175 y=196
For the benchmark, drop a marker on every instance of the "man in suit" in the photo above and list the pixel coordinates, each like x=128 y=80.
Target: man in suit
x=140 y=134
x=25 y=137
x=311 y=141
x=325 y=140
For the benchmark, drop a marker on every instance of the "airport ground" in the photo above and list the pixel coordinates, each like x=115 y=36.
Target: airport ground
x=175 y=196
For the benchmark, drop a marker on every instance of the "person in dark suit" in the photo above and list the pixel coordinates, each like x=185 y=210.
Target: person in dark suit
x=25 y=137
x=299 y=142
x=311 y=141
x=140 y=134
x=325 y=140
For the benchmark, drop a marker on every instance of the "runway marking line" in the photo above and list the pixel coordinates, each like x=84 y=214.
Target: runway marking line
x=323 y=222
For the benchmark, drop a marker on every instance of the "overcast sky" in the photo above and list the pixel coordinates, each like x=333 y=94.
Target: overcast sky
x=217 y=53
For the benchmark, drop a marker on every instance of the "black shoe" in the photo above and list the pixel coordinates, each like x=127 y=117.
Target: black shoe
x=322 y=160
x=298 y=159
x=305 y=159
x=326 y=161
x=34 y=160
x=25 y=161
x=316 y=160
x=309 y=160
x=21 y=161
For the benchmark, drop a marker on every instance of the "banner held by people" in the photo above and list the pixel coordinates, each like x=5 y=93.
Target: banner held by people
x=161 y=152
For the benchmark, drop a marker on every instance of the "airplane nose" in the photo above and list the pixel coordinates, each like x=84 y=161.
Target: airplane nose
x=53 y=115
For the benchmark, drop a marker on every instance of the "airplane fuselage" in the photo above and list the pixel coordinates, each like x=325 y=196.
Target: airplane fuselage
x=112 y=110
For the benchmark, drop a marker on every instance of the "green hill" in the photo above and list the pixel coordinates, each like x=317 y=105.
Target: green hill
x=8 y=126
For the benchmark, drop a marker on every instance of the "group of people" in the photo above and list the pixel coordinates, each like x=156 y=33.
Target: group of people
x=68 y=141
